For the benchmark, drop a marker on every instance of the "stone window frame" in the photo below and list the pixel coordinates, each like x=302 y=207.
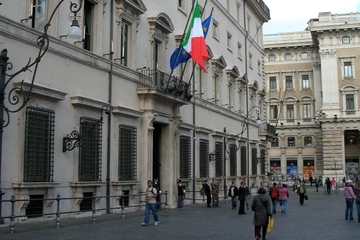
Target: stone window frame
x=343 y=61
x=346 y=90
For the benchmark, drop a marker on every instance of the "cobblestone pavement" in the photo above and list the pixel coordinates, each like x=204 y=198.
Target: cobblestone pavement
x=321 y=217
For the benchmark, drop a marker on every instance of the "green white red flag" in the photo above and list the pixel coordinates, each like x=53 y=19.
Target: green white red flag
x=194 y=42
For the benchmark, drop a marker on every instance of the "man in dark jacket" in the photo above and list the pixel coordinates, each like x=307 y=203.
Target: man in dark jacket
x=181 y=194
x=242 y=196
x=262 y=210
x=233 y=192
x=207 y=189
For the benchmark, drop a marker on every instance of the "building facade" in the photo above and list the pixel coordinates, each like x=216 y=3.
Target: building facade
x=106 y=113
x=312 y=98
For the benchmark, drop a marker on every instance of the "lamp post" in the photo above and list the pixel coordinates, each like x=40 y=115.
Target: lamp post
x=19 y=102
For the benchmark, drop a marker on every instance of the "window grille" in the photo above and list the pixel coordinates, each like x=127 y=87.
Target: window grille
x=125 y=195
x=254 y=161
x=307 y=141
x=262 y=157
x=35 y=207
x=124 y=42
x=291 y=142
x=219 y=160
x=275 y=142
x=90 y=149
x=127 y=153
x=243 y=161
x=233 y=160
x=204 y=158
x=87 y=202
x=39 y=145
x=273 y=85
x=185 y=157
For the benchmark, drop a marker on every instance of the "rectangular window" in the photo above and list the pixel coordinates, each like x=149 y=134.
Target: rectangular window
x=271 y=57
x=90 y=149
x=348 y=69
x=233 y=159
x=289 y=82
x=88 y=18
x=127 y=153
x=291 y=141
x=351 y=137
x=307 y=141
x=238 y=12
x=231 y=96
x=273 y=111
x=253 y=161
x=288 y=56
x=262 y=161
x=181 y=4
x=185 y=157
x=273 y=83
x=239 y=50
x=345 y=39
x=38 y=14
x=350 y=105
x=243 y=161
x=39 y=145
x=229 y=45
x=124 y=41
x=275 y=142
x=305 y=82
x=306 y=111
x=35 y=206
x=304 y=55
x=204 y=158
x=216 y=85
x=250 y=60
x=290 y=111
x=86 y=203
x=219 y=162
x=215 y=30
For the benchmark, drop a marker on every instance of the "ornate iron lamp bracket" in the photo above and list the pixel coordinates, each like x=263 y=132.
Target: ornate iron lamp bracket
x=71 y=141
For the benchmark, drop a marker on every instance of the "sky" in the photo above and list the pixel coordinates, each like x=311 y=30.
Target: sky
x=293 y=15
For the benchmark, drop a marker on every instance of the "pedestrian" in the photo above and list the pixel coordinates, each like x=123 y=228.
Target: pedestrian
x=284 y=192
x=302 y=192
x=181 y=194
x=274 y=195
x=157 y=186
x=317 y=184
x=328 y=185
x=357 y=194
x=150 y=199
x=242 y=197
x=215 y=192
x=207 y=189
x=262 y=210
x=333 y=184
x=349 y=199
x=311 y=181
x=233 y=192
x=247 y=195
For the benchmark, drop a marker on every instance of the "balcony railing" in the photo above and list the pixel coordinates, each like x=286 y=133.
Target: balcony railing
x=155 y=78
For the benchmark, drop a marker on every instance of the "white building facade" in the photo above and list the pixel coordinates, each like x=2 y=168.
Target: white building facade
x=104 y=115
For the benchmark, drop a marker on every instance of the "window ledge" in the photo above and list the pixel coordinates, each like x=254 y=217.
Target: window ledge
x=35 y=184
x=87 y=184
x=125 y=183
x=348 y=77
x=49 y=93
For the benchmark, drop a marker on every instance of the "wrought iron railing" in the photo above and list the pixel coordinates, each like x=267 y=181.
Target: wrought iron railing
x=163 y=81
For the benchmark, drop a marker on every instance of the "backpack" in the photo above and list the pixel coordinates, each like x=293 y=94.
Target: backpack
x=274 y=193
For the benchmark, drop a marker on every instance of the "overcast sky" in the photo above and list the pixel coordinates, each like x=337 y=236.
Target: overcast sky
x=292 y=15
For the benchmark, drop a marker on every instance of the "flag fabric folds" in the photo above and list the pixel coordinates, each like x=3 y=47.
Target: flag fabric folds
x=194 y=45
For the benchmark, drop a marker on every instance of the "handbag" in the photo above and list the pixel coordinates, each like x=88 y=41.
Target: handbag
x=306 y=197
x=270 y=224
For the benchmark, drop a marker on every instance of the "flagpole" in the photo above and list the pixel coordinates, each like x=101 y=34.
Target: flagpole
x=182 y=38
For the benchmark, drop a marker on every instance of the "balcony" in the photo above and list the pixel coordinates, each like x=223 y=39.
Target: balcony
x=267 y=132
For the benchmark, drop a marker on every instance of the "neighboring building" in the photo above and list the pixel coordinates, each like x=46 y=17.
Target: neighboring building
x=312 y=98
x=103 y=117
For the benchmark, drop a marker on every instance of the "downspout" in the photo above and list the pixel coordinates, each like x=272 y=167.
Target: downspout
x=108 y=140
x=247 y=102
x=194 y=142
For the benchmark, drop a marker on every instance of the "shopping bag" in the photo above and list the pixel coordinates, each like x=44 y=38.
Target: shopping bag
x=306 y=197
x=270 y=224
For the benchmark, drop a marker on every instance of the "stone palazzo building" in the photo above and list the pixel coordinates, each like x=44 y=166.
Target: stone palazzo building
x=312 y=82
x=106 y=113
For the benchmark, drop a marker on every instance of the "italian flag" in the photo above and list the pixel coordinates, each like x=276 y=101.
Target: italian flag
x=194 y=42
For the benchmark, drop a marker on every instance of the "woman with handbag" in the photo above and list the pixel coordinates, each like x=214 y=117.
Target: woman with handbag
x=262 y=211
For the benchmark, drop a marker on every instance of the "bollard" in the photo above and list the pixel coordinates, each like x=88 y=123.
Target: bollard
x=12 y=217
x=122 y=206
x=58 y=211
x=166 y=201
x=93 y=209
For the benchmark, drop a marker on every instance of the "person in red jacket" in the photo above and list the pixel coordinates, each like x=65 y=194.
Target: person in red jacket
x=274 y=195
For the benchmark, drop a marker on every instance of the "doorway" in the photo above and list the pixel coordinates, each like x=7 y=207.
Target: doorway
x=157 y=151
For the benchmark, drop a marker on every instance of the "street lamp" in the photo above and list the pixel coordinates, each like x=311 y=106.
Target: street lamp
x=19 y=102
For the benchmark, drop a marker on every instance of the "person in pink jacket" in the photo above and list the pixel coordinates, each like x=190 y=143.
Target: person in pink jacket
x=349 y=199
x=284 y=192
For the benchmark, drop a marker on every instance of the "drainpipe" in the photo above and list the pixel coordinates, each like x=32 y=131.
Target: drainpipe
x=194 y=139
x=108 y=140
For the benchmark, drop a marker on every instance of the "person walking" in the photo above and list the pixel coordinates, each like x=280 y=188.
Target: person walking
x=207 y=189
x=150 y=197
x=349 y=199
x=317 y=184
x=357 y=201
x=157 y=186
x=181 y=194
x=333 y=184
x=215 y=192
x=233 y=192
x=302 y=192
x=328 y=185
x=242 y=197
x=284 y=192
x=262 y=210
x=274 y=195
